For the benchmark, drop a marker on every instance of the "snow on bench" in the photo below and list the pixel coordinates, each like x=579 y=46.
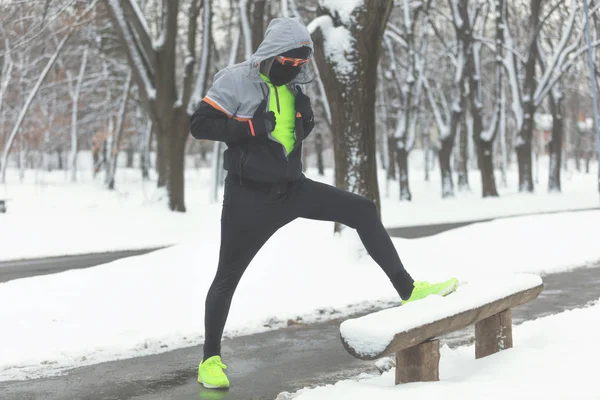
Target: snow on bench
x=410 y=330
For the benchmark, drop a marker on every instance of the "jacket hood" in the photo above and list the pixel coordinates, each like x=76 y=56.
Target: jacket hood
x=282 y=34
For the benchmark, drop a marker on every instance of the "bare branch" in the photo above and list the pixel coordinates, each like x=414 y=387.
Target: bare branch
x=27 y=104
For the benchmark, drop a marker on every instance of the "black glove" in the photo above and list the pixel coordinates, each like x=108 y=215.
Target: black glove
x=263 y=122
x=303 y=107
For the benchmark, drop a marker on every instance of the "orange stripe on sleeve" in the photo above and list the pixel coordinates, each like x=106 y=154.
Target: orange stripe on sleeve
x=215 y=105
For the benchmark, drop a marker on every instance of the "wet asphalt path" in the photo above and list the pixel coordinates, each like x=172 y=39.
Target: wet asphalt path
x=27 y=268
x=263 y=365
x=10 y=270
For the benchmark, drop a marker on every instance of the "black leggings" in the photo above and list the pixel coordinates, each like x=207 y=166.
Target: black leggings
x=250 y=217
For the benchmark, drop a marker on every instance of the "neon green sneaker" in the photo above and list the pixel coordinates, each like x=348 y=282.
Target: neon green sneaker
x=423 y=289
x=211 y=375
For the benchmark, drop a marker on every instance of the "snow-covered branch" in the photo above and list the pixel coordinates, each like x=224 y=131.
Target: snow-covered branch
x=143 y=76
x=140 y=25
x=560 y=54
x=572 y=56
x=439 y=119
x=321 y=22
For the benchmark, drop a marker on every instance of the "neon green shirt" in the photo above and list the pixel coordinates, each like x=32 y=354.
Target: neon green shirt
x=282 y=103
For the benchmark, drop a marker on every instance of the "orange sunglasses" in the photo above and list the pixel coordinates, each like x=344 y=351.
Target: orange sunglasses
x=292 y=62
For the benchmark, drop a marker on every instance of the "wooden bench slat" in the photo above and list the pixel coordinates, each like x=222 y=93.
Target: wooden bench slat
x=365 y=339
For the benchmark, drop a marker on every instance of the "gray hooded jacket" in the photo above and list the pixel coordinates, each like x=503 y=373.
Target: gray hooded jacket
x=238 y=90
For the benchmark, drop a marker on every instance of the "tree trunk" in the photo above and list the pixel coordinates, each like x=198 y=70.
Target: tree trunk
x=525 y=167
x=95 y=161
x=319 y=151
x=444 y=156
x=587 y=163
x=59 y=158
x=353 y=122
x=463 y=170
x=427 y=154
x=391 y=148
x=161 y=166
x=557 y=110
x=176 y=169
x=503 y=146
x=485 y=152
x=402 y=160
x=524 y=160
x=523 y=147
x=155 y=73
x=145 y=152
x=258 y=12
x=129 y=163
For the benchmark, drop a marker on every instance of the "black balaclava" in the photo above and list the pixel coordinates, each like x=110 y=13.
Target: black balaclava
x=281 y=74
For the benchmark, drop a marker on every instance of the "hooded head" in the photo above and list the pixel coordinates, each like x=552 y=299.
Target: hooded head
x=285 y=39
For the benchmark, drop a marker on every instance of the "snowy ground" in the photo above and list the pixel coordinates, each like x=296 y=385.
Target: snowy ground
x=552 y=358
x=49 y=216
x=155 y=302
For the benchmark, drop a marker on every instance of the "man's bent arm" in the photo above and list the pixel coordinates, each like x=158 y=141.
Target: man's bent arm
x=210 y=123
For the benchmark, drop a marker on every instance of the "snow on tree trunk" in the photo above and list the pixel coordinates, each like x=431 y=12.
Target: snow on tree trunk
x=503 y=146
x=463 y=159
x=348 y=40
x=484 y=136
x=448 y=136
x=409 y=85
x=74 y=112
x=388 y=151
x=524 y=136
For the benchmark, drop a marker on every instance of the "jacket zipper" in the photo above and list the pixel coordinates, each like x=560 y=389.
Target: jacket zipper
x=278 y=112
x=277 y=99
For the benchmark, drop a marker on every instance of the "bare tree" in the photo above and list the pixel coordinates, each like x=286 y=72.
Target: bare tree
x=153 y=63
x=484 y=134
x=25 y=108
x=408 y=87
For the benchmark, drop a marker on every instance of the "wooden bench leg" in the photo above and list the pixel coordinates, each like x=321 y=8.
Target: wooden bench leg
x=419 y=363
x=493 y=334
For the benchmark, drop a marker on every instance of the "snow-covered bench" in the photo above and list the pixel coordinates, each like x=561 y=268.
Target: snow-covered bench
x=411 y=330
